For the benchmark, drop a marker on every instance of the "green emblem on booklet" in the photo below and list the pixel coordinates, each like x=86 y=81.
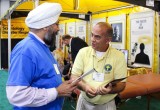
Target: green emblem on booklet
x=108 y=68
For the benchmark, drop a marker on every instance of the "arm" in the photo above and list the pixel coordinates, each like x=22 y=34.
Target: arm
x=118 y=88
x=30 y=96
x=120 y=72
x=77 y=70
x=90 y=91
x=34 y=97
x=111 y=89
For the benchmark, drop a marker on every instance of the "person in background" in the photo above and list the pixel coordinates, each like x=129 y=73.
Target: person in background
x=74 y=44
x=59 y=56
x=109 y=63
x=34 y=81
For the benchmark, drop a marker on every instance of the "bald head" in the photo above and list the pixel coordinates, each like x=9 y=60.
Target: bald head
x=105 y=28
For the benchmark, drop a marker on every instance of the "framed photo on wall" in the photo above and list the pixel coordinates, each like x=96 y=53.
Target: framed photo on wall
x=118 y=24
x=117 y=32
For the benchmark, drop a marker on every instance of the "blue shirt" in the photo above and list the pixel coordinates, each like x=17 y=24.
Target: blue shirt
x=32 y=64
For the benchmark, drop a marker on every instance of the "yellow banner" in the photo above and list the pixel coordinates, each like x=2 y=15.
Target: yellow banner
x=18 y=29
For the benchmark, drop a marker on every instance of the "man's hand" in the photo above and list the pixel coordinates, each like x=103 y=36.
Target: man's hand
x=90 y=91
x=104 y=90
x=66 y=88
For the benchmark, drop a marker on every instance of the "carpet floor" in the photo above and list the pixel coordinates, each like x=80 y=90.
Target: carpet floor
x=70 y=104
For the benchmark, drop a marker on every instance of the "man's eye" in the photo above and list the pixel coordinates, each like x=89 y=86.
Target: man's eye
x=98 y=37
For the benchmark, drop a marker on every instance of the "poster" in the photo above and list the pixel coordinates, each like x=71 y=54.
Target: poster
x=61 y=29
x=59 y=36
x=71 y=29
x=81 y=30
x=118 y=24
x=142 y=35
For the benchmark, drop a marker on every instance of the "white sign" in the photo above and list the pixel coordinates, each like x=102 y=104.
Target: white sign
x=141 y=30
x=150 y=3
x=81 y=30
x=71 y=29
x=95 y=21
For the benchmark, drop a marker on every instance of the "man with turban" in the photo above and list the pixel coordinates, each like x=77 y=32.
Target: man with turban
x=34 y=81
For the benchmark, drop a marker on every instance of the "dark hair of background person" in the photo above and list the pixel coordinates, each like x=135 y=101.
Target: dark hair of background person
x=66 y=36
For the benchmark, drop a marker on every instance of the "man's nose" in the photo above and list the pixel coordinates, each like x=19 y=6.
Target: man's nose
x=58 y=29
x=93 y=38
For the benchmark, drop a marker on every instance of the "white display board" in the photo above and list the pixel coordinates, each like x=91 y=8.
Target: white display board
x=61 y=29
x=71 y=29
x=142 y=38
x=95 y=21
x=81 y=29
x=59 y=36
x=118 y=24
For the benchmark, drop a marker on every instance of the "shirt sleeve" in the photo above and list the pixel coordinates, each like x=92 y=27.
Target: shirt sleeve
x=121 y=67
x=22 y=71
x=30 y=96
x=78 y=65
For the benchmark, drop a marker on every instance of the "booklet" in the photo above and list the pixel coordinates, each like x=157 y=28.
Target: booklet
x=85 y=74
x=114 y=82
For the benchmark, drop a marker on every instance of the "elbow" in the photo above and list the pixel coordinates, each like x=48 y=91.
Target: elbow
x=10 y=97
x=14 y=97
x=25 y=96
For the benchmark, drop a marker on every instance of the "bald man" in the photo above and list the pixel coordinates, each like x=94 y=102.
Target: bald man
x=109 y=63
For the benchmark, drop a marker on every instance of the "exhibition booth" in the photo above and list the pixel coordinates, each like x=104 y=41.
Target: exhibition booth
x=136 y=25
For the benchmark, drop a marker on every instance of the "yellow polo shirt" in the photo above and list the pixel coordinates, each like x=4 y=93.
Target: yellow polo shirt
x=112 y=64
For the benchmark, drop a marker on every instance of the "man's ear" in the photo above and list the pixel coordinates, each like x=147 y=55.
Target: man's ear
x=109 y=39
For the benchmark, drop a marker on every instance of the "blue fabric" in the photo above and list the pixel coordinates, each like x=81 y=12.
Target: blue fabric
x=32 y=65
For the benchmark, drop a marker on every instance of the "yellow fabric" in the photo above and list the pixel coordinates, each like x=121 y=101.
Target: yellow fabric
x=155 y=56
x=81 y=6
x=84 y=62
x=138 y=71
x=59 y=56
